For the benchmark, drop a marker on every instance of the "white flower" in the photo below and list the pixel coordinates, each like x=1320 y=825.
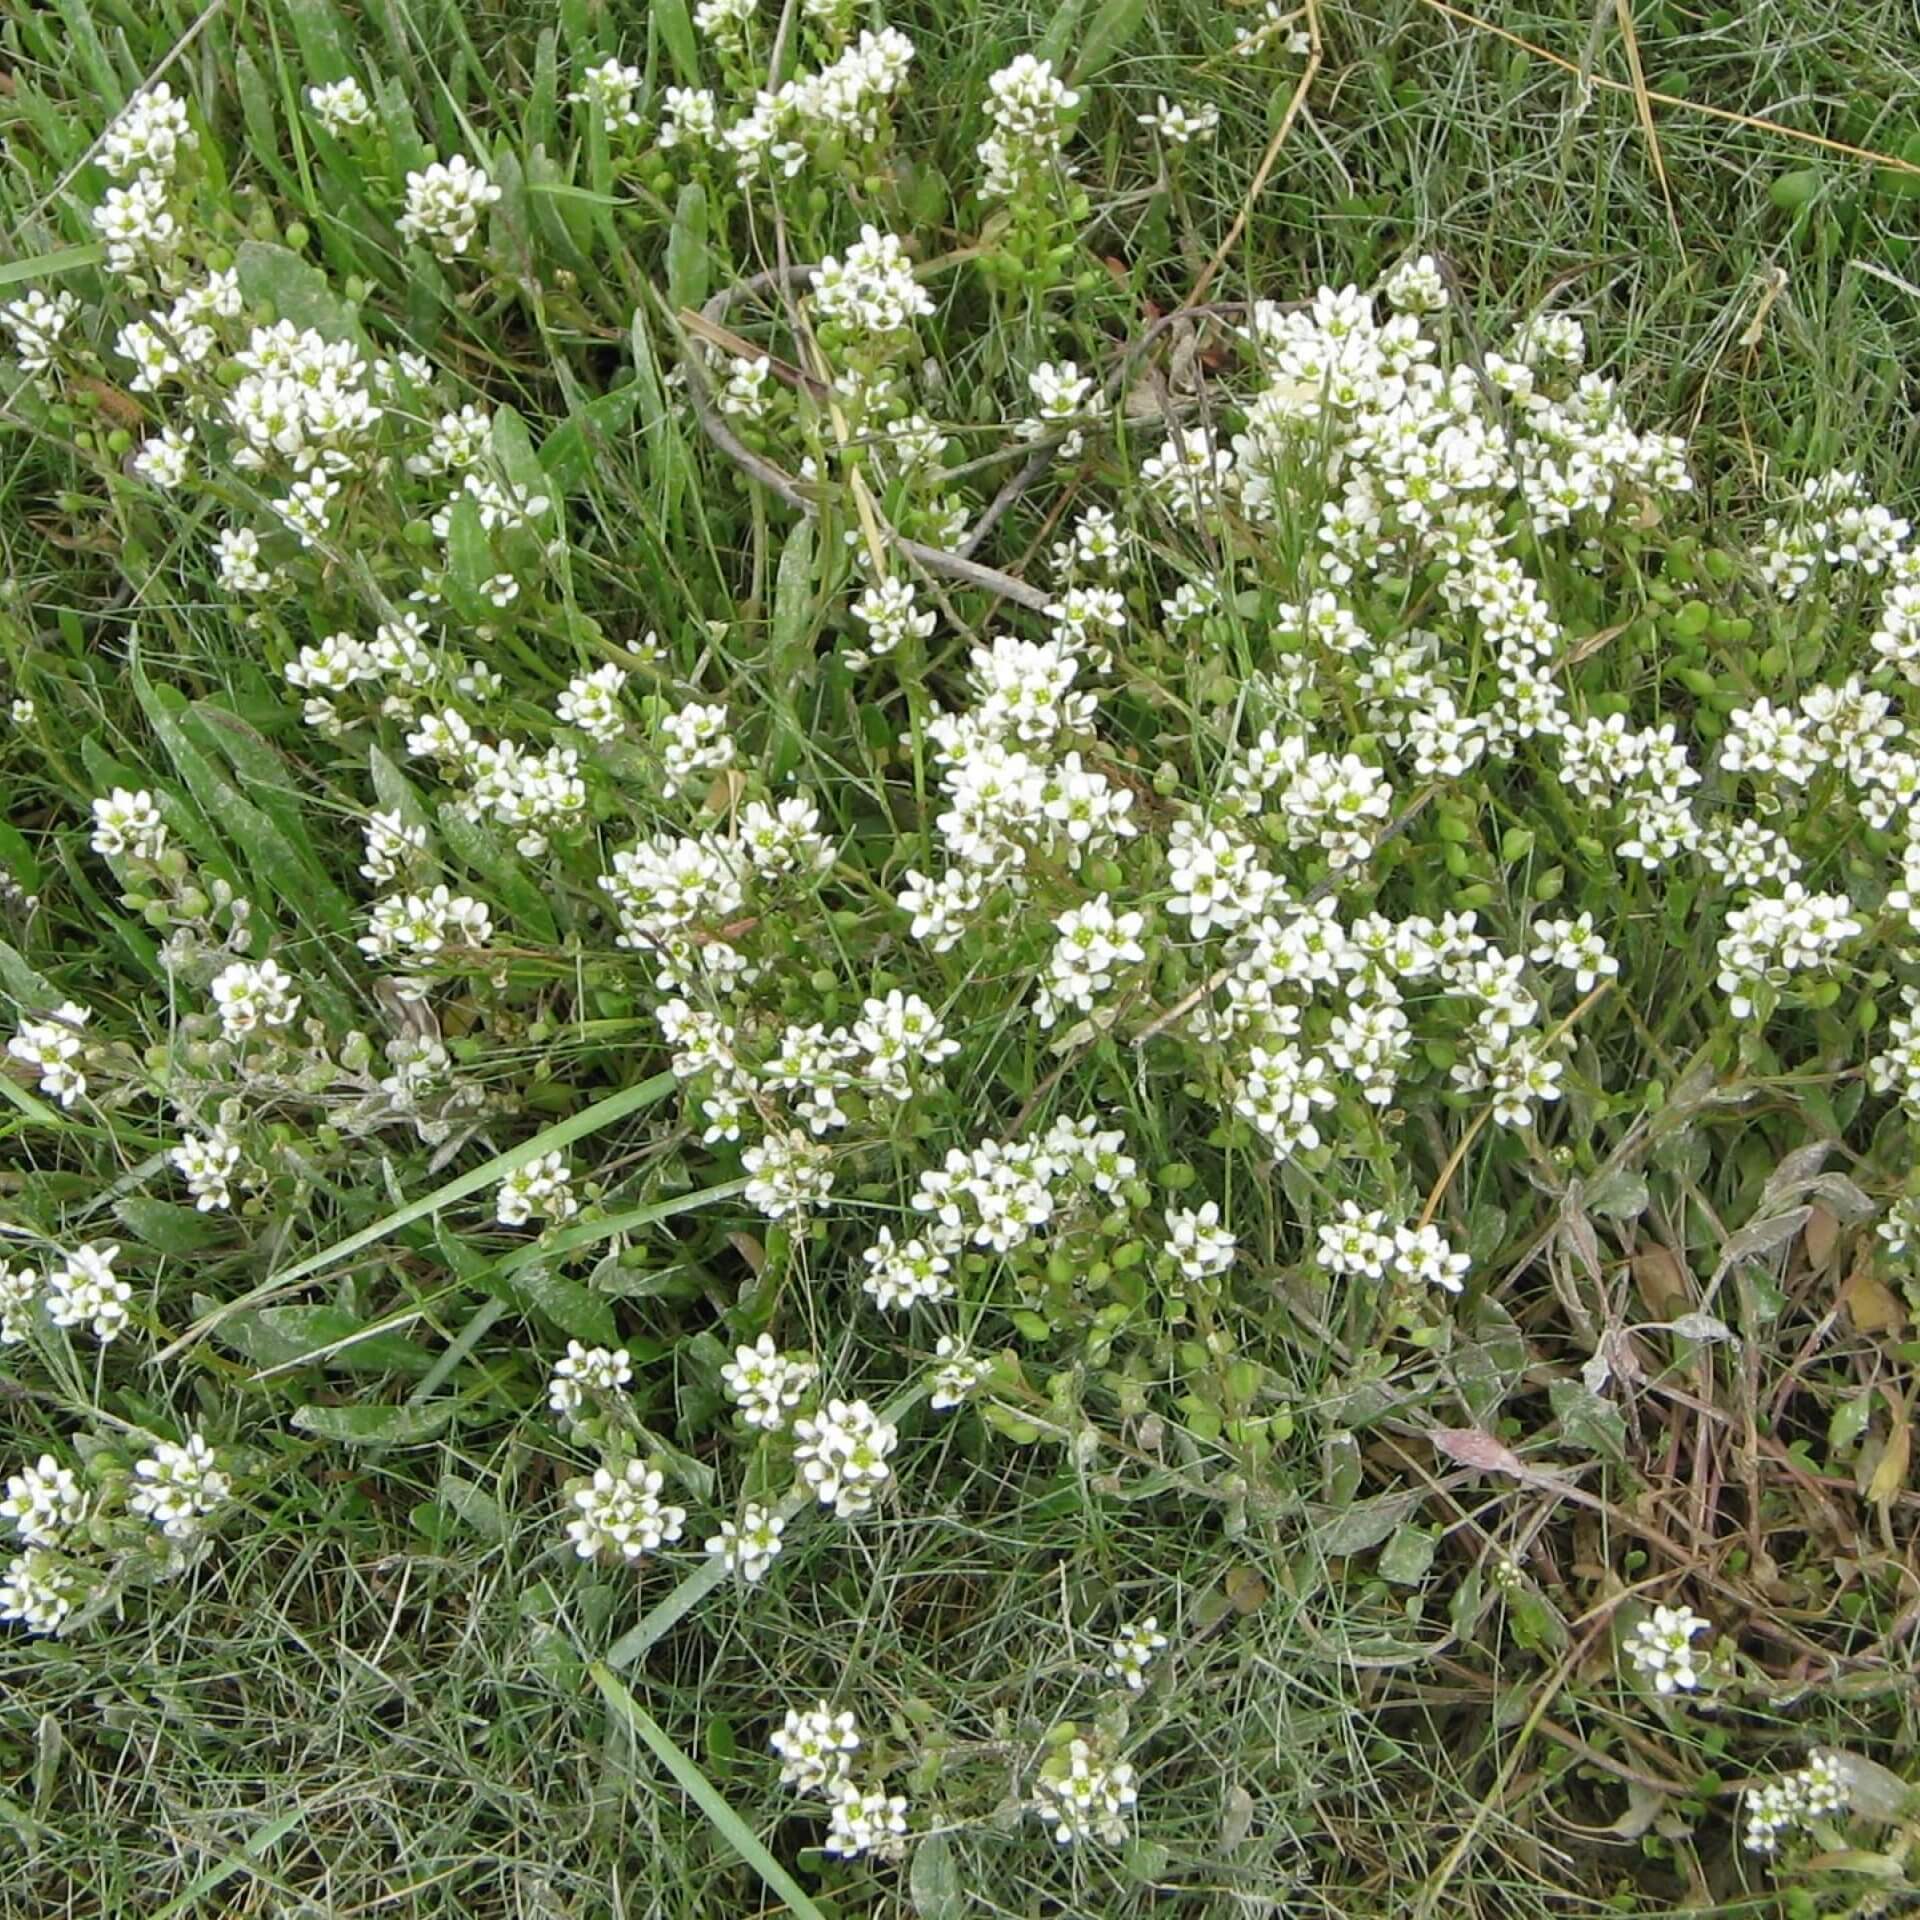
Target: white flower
x=342 y=107
x=1199 y=1244
x=698 y=742
x=751 y=1547
x=166 y=458
x=813 y=1748
x=610 y=86
x=842 y=1455
x=51 y=1047
x=864 y=1821
x=178 y=1486
x=1358 y=1245
x=1416 y=285
x=130 y=824
x=444 y=204
x=39 y=1590
x=590 y=702
x=1574 y=947
x=37 y=321
x=1132 y=1650
x=1809 y=1794
x=958 y=1377
x=84 y=1291
x=789 y=1174
x=1424 y=1256
x=1083 y=1796
x=236 y=552
x=206 y=1161
x=766 y=1384
x=872 y=290
x=1660 y=1647
x=44 y=1501
x=19 y=1295
x=1177 y=124
x=539 y=1186
x=250 y=997
x=623 y=1512
x=587 y=1371
x=906 y=1273
x=149 y=136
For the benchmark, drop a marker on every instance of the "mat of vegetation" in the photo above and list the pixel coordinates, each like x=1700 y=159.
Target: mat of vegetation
x=963 y=963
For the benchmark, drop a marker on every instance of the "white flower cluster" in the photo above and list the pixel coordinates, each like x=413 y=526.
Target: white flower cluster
x=51 y=1047
x=609 y=89
x=177 y=1486
x=750 y=1545
x=1031 y=108
x=303 y=402
x=585 y=1374
x=1661 y=1647
x=1010 y=799
x=619 y=1510
x=841 y=1453
x=254 y=997
x=341 y=106
x=816 y=1750
x=540 y=1188
x=844 y=105
x=882 y=1055
x=38 y=321
x=444 y=204
x=44 y=1502
x=997 y=1196
x=1796 y=1800
x=1132 y=1653
x=871 y=292
x=144 y=147
x=83 y=1290
x=207 y=1162
x=1083 y=1795
x=1362 y=1245
x=1093 y=943
x=766 y=1384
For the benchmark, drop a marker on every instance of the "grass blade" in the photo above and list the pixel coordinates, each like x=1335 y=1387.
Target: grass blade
x=724 y=1821
x=563 y=1133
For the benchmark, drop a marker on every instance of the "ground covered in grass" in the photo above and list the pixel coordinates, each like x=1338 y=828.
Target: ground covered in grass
x=958 y=963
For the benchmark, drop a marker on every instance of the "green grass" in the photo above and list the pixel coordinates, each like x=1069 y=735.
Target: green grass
x=389 y=1688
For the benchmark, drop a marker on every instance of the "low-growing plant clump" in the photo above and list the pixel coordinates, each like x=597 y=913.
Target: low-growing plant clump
x=1105 y=1094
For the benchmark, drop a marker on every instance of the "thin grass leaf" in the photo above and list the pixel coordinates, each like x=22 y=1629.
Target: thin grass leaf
x=724 y=1820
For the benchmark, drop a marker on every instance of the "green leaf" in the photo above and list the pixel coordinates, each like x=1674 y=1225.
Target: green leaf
x=675 y=26
x=574 y=447
x=1405 y=1558
x=43 y=266
x=285 y=1337
x=274 y=860
x=579 y=1312
x=793 y=616
x=687 y=262
x=720 y=1816
x=1587 y=1421
x=373 y=1426
x=933 y=1881
x=473 y=1505
x=171 y=1228
x=512 y=447
x=316 y=30
x=1112 y=27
